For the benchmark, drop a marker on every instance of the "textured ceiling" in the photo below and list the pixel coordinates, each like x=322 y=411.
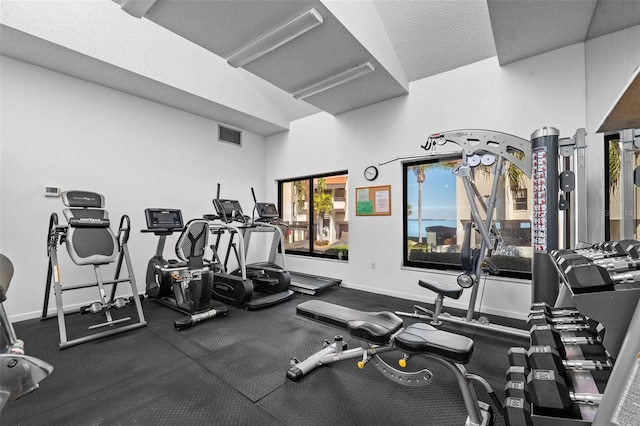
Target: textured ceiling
x=431 y=37
x=522 y=29
x=176 y=55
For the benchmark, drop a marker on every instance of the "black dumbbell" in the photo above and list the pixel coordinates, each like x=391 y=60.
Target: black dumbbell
x=599 y=274
x=547 y=358
x=517 y=412
x=574 y=323
x=549 y=390
x=516 y=389
x=588 y=277
x=517 y=373
x=545 y=308
x=518 y=357
x=546 y=335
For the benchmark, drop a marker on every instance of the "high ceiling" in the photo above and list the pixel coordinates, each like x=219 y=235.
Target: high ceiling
x=175 y=52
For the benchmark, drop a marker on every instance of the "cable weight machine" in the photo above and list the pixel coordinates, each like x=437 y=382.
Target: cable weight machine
x=493 y=149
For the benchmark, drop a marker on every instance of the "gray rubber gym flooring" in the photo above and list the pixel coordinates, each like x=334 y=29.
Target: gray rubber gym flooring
x=231 y=371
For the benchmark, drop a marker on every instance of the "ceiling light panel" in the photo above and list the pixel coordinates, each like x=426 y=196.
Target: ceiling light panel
x=335 y=80
x=276 y=38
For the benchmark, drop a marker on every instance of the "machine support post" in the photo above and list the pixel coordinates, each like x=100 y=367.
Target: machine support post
x=544 y=161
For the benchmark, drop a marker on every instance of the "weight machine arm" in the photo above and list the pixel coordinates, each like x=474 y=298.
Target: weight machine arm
x=511 y=148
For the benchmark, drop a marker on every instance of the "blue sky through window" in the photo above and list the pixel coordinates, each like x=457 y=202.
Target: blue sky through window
x=438 y=194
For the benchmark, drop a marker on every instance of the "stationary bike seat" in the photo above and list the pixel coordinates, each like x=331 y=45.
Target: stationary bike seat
x=447 y=290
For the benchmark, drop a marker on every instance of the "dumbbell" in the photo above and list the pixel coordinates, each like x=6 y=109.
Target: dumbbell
x=613 y=249
x=607 y=249
x=517 y=405
x=516 y=389
x=546 y=335
x=617 y=267
x=517 y=412
x=518 y=357
x=545 y=308
x=547 y=358
x=517 y=373
x=589 y=277
x=581 y=273
x=575 y=323
x=549 y=390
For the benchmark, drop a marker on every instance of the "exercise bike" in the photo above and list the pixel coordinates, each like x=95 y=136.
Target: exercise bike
x=185 y=284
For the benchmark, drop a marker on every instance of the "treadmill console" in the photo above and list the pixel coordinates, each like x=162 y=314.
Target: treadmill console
x=267 y=210
x=229 y=210
x=165 y=219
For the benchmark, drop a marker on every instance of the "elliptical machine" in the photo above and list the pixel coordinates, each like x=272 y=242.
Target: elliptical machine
x=268 y=221
x=185 y=284
x=251 y=286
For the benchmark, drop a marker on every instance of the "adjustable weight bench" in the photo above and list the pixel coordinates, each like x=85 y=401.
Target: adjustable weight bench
x=384 y=332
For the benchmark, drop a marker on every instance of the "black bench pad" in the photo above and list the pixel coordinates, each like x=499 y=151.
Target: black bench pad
x=420 y=338
x=447 y=290
x=374 y=327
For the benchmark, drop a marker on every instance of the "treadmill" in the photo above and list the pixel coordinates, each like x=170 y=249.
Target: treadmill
x=300 y=282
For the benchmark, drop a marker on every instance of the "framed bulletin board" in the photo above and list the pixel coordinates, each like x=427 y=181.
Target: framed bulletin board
x=373 y=201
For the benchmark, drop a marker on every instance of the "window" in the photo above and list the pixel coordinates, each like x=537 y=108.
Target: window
x=622 y=212
x=316 y=209
x=520 y=196
x=436 y=210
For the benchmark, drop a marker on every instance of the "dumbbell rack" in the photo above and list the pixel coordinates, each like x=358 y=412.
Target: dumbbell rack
x=596 y=296
x=615 y=307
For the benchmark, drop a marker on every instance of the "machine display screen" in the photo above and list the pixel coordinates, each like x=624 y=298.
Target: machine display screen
x=267 y=210
x=164 y=218
x=228 y=209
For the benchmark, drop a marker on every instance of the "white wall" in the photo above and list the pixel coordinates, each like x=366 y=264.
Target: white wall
x=60 y=131
x=547 y=90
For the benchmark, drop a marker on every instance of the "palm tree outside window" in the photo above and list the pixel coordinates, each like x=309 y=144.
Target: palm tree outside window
x=316 y=209
x=436 y=210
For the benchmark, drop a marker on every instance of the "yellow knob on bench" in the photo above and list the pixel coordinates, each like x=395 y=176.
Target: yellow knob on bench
x=360 y=365
x=402 y=362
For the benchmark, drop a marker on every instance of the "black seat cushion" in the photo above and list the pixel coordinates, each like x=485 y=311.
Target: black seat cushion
x=377 y=328
x=420 y=338
x=374 y=327
x=447 y=290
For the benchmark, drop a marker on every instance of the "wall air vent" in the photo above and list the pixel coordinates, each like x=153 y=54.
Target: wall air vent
x=226 y=134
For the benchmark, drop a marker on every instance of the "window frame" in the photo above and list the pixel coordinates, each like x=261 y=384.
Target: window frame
x=344 y=256
x=433 y=265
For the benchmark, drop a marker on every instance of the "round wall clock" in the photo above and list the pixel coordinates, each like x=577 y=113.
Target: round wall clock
x=371 y=173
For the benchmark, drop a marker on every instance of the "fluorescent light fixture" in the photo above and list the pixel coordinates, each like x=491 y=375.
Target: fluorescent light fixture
x=336 y=80
x=276 y=38
x=136 y=8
